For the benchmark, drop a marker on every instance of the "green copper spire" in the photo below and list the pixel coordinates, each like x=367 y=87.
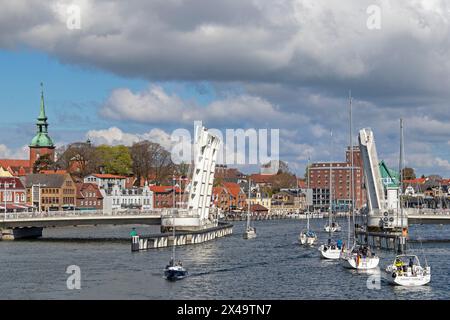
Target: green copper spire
x=42 y=117
x=42 y=139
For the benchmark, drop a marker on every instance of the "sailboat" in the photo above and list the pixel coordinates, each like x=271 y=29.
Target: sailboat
x=358 y=257
x=406 y=269
x=307 y=237
x=250 y=232
x=174 y=270
x=332 y=227
x=330 y=250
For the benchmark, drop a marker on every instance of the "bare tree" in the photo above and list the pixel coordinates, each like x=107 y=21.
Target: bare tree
x=79 y=158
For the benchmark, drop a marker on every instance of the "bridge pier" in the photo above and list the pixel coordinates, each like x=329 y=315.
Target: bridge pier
x=21 y=233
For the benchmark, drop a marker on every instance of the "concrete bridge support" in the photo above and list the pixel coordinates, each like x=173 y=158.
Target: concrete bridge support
x=21 y=233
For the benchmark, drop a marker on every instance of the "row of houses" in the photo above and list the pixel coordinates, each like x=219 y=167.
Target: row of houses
x=58 y=191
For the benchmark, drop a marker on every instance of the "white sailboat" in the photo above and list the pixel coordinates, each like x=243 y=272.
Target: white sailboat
x=330 y=250
x=250 y=232
x=358 y=257
x=307 y=237
x=332 y=227
x=406 y=269
x=174 y=270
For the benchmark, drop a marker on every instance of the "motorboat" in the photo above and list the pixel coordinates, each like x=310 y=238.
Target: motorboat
x=406 y=271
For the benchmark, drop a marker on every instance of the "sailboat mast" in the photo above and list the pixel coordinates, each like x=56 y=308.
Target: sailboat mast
x=173 y=223
x=331 y=185
x=352 y=182
x=401 y=171
x=248 y=207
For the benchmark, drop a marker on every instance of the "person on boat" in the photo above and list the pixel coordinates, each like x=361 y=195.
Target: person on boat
x=399 y=265
x=339 y=244
x=133 y=232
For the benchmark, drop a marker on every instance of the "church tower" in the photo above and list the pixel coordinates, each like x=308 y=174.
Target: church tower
x=41 y=144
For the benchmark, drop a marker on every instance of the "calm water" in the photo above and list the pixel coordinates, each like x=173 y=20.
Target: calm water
x=272 y=266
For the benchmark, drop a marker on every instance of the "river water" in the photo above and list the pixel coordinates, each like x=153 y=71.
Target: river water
x=272 y=266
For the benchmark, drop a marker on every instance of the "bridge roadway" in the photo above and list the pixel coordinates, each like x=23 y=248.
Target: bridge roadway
x=149 y=217
x=77 y=218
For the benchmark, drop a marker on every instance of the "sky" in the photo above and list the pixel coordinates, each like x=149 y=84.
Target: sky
x=140 y=69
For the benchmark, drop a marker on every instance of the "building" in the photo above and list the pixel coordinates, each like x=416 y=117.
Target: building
x=118 y=198
x=106 y=181
x=51 y=192
x=229 y=196
x=13 y=195
x=40 y=145
x=5 y=173
x=258 y=197
x=17 y=168
x=89 y=197
x=289 y=200
x=319 y=181
x=163 y=196
x=262 y=180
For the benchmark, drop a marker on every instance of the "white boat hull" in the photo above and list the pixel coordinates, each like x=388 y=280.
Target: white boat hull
x=305 y=240
x=351 y=262
x=249 y=234
x=329 y=253
x=407 y=279
x=332 y=229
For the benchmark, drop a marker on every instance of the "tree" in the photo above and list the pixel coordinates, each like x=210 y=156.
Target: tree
x=79 y=158
x=151 y=159
x=114 y=159
x=44 y=162
x=408 y=174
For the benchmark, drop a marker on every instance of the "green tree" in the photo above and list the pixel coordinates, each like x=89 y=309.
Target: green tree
x=114 y=159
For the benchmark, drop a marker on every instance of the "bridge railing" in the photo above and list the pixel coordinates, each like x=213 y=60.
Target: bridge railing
x=75 y=214
x=428 y=212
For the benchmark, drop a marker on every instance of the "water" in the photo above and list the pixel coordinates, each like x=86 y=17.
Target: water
x=272 y=266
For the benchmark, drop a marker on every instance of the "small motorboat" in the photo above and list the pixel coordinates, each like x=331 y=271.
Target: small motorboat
x=406 y=271
x=360 y=257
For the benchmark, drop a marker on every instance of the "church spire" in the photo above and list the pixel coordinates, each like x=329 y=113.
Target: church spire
x=42 y=139
x=42 y=119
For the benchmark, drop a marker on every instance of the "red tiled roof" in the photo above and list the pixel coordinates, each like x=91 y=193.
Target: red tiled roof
x=258 y=207
x=83 y=186
x=108 y=176
x=232 y=188
x=10 y=180
x=261 y=178
x=164 y=189
x=416 y=181
x=53 y=171
x=5 y=163
x=301 y=183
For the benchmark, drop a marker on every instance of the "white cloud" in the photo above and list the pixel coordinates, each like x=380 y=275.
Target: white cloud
x=155 y=105
x=17 y=153
x=115 y=136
